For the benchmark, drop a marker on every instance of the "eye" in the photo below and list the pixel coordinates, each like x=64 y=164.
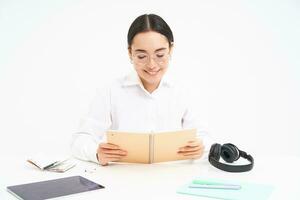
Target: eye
x=160 y=55
x=141 y=57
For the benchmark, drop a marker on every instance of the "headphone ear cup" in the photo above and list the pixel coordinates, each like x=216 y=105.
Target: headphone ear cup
x=215 y=151
x=230 y=152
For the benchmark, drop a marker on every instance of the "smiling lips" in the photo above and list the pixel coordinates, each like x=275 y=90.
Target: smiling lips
x=152 y=73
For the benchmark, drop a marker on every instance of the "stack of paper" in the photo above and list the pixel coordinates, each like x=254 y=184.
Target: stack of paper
x=54 y=164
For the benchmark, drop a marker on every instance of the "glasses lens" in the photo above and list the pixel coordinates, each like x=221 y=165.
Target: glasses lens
x=160 y=58
x=143 y=59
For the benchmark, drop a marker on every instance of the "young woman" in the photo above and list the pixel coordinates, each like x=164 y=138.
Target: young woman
x=145 y=100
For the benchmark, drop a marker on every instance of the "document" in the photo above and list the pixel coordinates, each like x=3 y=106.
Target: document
x=151 y=147
x=51 y=163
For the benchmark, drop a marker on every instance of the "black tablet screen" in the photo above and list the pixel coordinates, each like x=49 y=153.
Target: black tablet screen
x=53 y=188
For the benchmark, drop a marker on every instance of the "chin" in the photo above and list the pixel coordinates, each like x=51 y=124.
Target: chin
x=153 y=79
x=153 y=82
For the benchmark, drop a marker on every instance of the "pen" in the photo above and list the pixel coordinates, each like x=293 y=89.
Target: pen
x=202 y=182
x=211 y=186
x=50 y=165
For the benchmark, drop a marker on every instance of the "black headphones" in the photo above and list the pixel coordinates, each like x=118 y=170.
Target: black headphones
x=229 y=153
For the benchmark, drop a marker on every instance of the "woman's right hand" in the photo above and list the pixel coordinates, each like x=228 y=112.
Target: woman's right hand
x=107 y=152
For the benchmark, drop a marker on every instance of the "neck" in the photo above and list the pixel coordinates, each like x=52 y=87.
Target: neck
x=150 y=87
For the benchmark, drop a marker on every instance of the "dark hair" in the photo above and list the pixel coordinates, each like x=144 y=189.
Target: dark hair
x=149 y=22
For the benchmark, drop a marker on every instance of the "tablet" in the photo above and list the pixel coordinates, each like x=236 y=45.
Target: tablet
x=53 y=188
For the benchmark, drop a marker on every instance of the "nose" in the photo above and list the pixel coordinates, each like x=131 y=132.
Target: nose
x=151 y=63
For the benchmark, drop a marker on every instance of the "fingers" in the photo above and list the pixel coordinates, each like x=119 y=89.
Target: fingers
x=192 y=152
x=114 y=152
x=187 y=149
x=195 y=155
x=191 y=147
x=108 y=146
x=194 y=149
x=104 y=161
x=109 y=153
x=194 y=143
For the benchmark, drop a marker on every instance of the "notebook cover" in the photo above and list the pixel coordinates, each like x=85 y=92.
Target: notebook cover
x=136 y=145
x=167 y=144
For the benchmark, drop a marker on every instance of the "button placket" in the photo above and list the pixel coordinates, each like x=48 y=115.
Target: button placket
x=153 y=114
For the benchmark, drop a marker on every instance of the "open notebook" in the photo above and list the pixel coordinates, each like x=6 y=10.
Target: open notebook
x=51 y=163
x=151 y=147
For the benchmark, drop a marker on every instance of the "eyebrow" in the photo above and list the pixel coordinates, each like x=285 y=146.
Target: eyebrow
x=142 y=50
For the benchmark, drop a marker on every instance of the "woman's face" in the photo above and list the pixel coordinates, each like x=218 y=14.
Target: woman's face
x=150 y=54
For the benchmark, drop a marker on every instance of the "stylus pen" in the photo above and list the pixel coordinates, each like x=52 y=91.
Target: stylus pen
x=204 y=182
x=51 y=165
x=224 y=187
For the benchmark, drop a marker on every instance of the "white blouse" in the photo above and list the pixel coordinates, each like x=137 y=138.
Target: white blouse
x=127 y=106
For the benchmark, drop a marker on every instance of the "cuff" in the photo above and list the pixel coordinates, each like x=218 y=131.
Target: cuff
x=91 y=152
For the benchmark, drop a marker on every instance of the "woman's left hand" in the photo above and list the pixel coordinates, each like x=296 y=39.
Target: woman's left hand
x=193 y=149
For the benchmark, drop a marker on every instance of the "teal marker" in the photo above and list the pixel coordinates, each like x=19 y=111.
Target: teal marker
x=213 y=185
x=221 y=187
x=203 y=182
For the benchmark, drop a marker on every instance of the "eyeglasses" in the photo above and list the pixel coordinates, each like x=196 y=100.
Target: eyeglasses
x=143 y=58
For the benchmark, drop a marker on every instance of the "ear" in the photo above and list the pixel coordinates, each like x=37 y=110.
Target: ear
x=130 y=53
x=171 y=48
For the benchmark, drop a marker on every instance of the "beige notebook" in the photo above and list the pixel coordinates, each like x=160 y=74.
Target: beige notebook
x=151 y=147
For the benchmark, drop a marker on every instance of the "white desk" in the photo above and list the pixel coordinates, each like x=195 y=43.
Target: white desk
x=156 y=181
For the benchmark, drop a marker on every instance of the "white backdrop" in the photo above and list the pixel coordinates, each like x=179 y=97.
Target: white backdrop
x=241 y=58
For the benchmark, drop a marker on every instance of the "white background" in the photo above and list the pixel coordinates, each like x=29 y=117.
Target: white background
x=240 y=57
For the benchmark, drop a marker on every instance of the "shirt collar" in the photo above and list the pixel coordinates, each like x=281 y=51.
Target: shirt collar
x=133 y=79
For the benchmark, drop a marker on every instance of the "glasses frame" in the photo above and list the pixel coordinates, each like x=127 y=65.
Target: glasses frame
x=136 y=60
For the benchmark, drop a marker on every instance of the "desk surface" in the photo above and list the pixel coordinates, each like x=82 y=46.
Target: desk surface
x=156 y=181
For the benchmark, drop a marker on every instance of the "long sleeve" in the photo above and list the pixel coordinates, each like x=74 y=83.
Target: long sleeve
x=191 y=120
x=92 y=128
